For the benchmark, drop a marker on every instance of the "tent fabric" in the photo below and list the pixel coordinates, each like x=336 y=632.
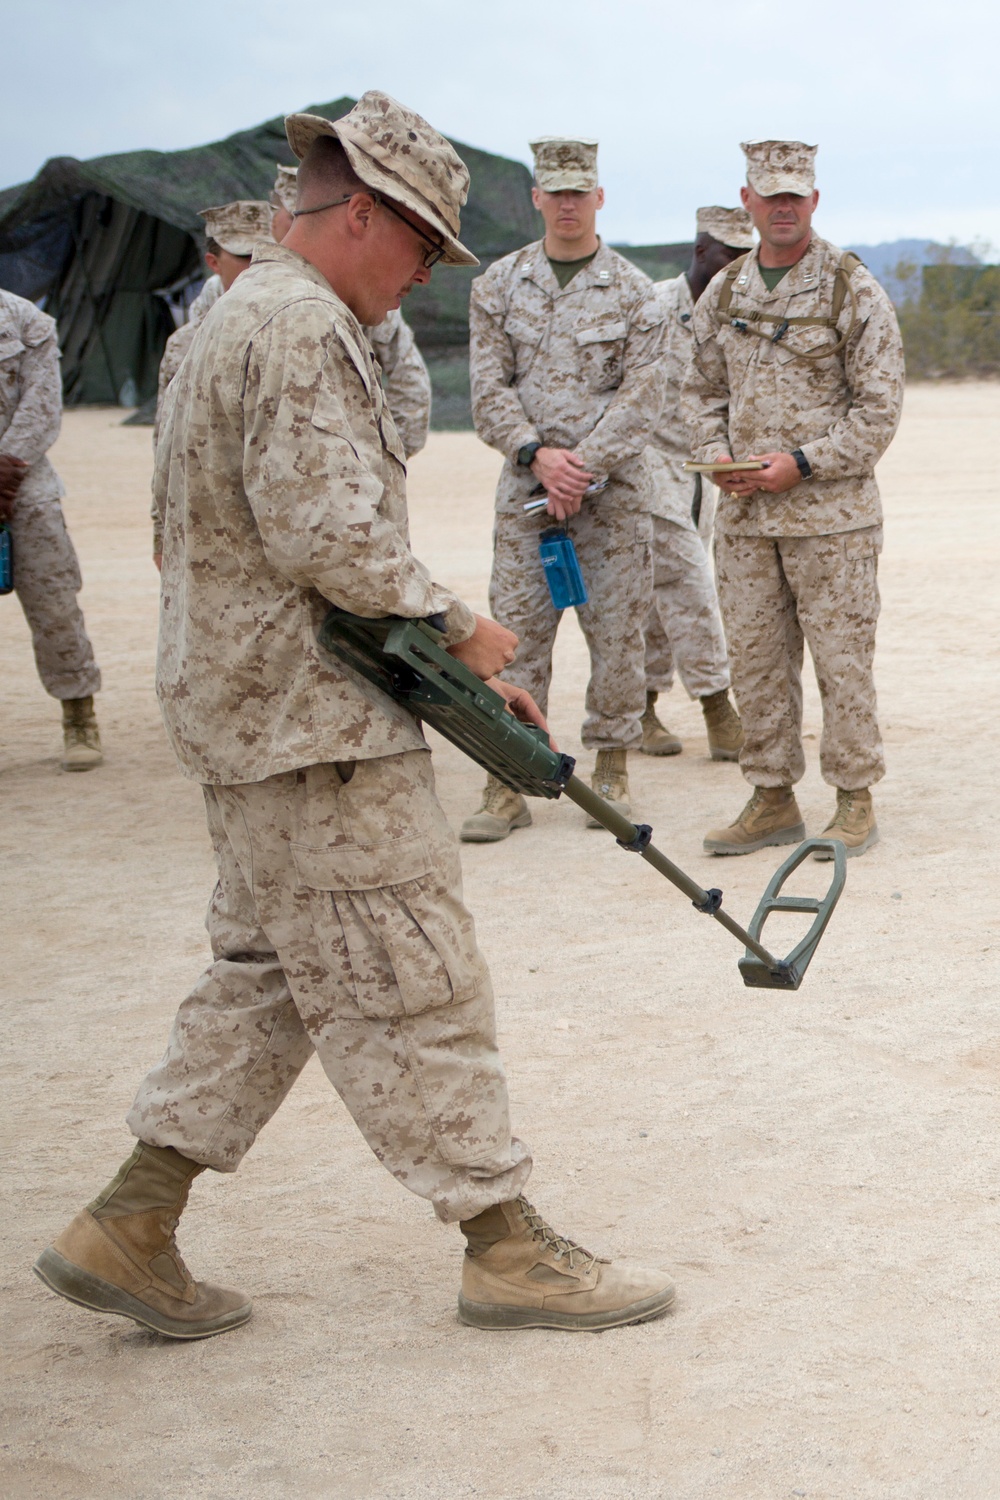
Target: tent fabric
x=110 y=243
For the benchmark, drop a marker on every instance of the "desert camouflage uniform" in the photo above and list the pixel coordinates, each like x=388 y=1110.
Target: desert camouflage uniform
x=337 y=923
x=801 y=564
x=407 y=383
x=575 y=368
x=683 y=626
x=46 y=571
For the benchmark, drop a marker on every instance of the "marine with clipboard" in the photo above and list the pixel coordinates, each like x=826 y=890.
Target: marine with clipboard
x=797 y=375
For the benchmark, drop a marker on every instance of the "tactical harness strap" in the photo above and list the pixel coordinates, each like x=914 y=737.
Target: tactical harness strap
x=744 y=321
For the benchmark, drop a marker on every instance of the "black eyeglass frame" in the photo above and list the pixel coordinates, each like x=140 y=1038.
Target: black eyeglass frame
x=431 y=255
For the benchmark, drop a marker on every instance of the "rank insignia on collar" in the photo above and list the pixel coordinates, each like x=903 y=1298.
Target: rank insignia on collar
x=603 y=276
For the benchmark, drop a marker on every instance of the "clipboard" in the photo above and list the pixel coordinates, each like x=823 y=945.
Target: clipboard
x=740 y=467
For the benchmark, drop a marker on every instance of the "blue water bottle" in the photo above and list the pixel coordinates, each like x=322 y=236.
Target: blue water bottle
x=562 y=568
x=6 y=560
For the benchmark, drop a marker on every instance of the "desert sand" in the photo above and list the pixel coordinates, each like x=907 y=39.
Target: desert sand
x=820 y=1169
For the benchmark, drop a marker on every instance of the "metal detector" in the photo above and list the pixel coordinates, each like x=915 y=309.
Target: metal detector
x=404 y=659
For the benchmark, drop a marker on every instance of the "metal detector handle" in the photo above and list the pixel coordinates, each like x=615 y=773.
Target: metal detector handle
x=794 y=966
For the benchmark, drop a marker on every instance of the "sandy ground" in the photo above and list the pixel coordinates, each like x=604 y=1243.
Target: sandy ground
x=820 y=1169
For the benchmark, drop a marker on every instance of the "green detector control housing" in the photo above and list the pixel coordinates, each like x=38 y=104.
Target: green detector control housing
x=404 y=658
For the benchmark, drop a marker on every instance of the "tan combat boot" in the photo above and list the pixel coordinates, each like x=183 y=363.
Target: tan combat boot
x=518 y=1273
x=610 y=781
x=853 y=824
x=500 y=813
x=657 y=739
x=770 y=817
x=81 y=740
x=725 y=732
x=119 y=1254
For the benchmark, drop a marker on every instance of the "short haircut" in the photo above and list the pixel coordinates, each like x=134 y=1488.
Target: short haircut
x=325 y=173
x=212 y=247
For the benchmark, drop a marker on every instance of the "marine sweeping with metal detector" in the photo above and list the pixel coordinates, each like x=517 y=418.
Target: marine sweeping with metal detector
x=405 y=659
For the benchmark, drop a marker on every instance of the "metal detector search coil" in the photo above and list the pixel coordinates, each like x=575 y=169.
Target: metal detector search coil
x=405 y=659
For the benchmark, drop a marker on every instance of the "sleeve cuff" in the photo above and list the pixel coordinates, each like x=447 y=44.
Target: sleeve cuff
x=521 y=438
x=460 y=622
x=812 y=458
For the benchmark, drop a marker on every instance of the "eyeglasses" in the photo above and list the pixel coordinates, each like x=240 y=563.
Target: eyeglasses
x=431 y=255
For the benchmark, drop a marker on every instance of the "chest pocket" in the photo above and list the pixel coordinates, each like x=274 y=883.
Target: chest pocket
x=602 y=354
x=525 y=336
x=809 y=341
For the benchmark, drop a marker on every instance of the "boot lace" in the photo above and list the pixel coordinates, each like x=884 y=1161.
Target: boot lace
x=557 y=1244
x=497 y=798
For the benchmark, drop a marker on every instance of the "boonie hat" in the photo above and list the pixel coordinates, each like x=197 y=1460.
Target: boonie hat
x=283 y=192
x=564 y=165
x=730 y=226
x=238 y=227
x=396 y=152
x=780 y=167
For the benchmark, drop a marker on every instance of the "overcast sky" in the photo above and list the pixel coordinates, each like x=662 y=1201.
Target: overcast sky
x=903 y=100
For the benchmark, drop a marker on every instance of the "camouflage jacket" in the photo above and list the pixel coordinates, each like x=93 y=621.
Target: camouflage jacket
x=575 y=367
x=744 y=394
x=405 y=378
x=407 y=383
x=669 y=446
x=30 y=394
x=281 y=482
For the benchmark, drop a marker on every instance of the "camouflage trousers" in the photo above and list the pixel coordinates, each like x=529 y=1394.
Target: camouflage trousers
x=684 y=627
x=614 y=548
x=337 y=926
x=47 y=581
x=776 y=592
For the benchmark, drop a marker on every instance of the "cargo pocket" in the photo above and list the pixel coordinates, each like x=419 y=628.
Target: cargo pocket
x=388 y=926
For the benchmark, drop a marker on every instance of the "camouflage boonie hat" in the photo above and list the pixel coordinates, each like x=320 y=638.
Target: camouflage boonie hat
x=283 y=192
x=780 y=167
x=730 y=226
x=397 y=153
x=563 y=165
x=238 y=227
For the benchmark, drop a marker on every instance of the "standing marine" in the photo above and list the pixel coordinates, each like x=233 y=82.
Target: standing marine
x=798 y=363
x=684 y=628
x=565 y=343
x=46 y=571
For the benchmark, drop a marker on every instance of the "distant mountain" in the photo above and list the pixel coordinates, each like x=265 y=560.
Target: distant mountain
x=882 y=260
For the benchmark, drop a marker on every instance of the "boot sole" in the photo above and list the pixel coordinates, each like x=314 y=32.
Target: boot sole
x=523 y=820
x=821 y=854
x=491 y=1315
x=793 y=835
x=77 y=1285
x=716 y=754
x=670 y=750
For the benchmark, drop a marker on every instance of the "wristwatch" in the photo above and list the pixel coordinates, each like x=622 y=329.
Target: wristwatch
x=802 y=462
x=526 y=455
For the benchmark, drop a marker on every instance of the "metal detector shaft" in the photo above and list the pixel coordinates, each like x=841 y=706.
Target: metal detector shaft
x=637 y=839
